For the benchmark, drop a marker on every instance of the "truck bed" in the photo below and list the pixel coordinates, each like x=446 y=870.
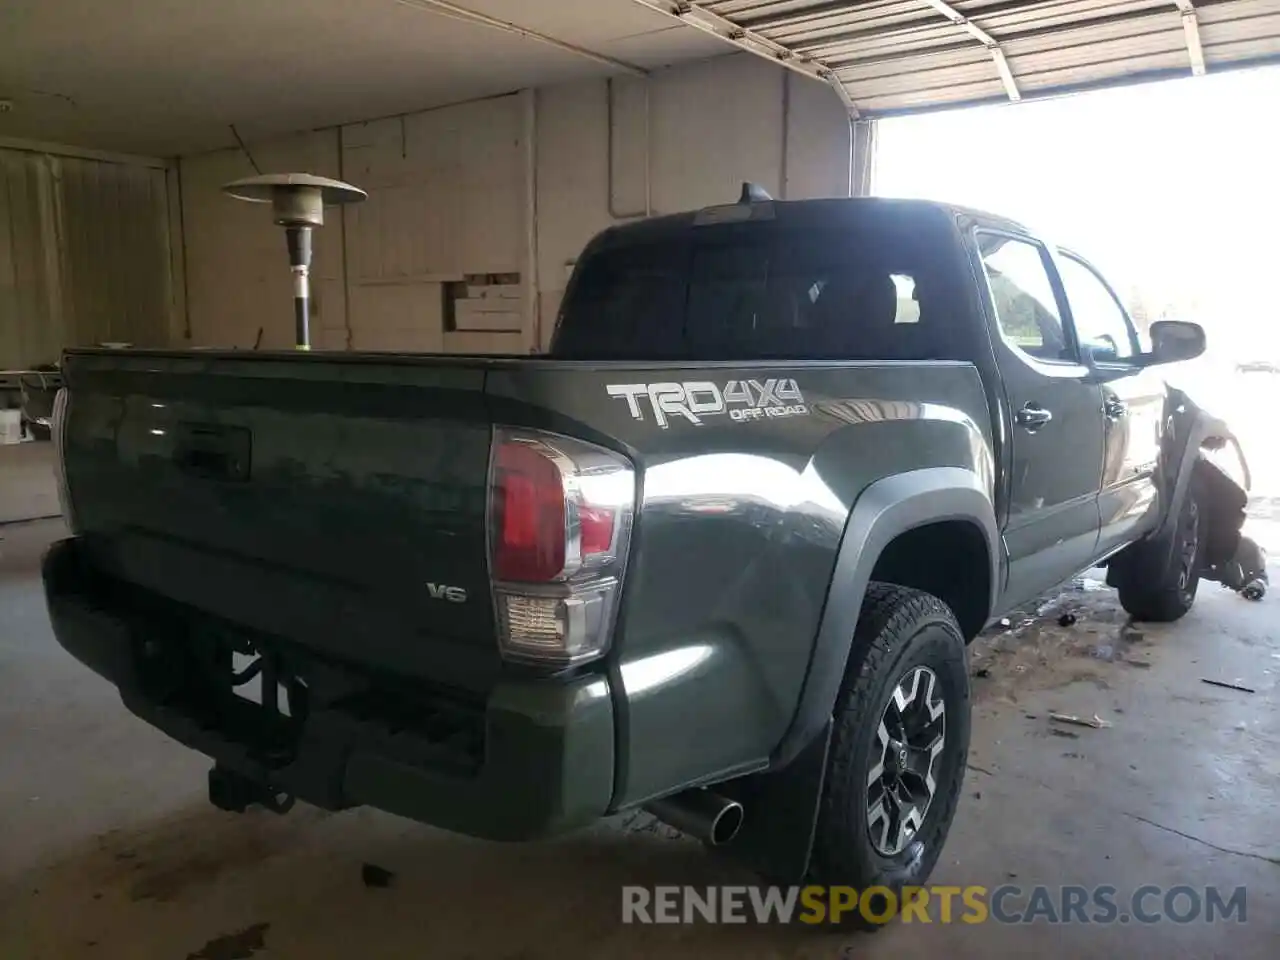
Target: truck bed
x=325 y=503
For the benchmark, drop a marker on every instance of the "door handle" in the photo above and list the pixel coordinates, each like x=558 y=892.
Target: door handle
x=212 y=451
x=1114 y=408
x=1032 y=417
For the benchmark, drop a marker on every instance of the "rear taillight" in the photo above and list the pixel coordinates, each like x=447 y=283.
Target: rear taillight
x=58 y=429
x=559 y=523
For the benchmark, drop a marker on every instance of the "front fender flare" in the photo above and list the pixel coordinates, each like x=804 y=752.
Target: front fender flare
x=1199 y=427
x=884 y=510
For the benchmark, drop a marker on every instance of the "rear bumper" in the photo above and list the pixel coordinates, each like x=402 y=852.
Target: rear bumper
x=536 y=758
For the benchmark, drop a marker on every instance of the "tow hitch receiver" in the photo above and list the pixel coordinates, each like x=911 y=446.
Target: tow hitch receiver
x=235 y=793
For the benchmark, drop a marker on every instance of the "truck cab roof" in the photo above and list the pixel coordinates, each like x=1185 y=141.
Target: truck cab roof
x=812 y=213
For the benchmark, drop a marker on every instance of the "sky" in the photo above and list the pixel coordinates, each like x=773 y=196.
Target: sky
x=1172 y=188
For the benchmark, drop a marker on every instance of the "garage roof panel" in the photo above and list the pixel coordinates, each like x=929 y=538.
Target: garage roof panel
x=1240 y=33
x=937 y=50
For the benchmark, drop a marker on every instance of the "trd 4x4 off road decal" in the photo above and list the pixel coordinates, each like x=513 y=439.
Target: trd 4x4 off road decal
x=694 y=400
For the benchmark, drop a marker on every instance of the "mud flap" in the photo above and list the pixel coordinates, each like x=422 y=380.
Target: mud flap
x=780 y=814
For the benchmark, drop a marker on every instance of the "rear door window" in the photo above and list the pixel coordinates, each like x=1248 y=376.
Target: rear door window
x=869 y=290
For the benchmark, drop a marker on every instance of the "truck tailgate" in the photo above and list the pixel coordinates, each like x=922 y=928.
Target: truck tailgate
x=336 y=502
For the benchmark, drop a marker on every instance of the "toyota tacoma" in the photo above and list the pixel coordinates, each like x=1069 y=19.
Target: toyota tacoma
x=718 y=555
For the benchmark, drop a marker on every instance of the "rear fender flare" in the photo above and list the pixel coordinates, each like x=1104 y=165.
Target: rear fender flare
x=884 y=510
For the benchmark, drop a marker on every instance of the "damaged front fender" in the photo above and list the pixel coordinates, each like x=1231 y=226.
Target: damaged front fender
x=1202 y=457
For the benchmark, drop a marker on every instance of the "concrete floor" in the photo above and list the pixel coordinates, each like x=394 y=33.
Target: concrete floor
x=27 y=487
x=108 y=848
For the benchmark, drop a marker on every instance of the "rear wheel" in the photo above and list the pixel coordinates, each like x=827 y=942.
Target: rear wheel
x=1160 y=586
x=898 y=750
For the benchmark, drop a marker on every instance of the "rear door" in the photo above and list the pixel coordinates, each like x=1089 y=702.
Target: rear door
x=1132 y=401
x=1056 y=441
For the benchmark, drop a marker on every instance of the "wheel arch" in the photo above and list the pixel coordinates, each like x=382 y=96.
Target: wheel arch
x=926 y=507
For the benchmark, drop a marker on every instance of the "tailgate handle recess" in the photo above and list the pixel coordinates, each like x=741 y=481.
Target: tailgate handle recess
x=212 y=451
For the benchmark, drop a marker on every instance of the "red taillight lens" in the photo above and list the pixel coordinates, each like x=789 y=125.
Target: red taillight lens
x=597 y=525
x=559 y=526
x=529 y=507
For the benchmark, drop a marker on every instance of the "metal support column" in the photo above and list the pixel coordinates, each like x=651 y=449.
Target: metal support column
x=862 y=162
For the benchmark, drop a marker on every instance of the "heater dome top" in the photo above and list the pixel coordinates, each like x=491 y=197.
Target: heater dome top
x=266 y=187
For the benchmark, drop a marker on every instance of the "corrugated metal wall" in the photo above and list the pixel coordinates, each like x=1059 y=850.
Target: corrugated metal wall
x=84 y=255
x=31 y=329
x=115 y=252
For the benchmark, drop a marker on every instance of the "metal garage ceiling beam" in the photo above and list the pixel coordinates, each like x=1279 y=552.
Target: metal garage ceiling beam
x=1191 y=28
x=988 y=41
x=703 y=19
x=445 y=8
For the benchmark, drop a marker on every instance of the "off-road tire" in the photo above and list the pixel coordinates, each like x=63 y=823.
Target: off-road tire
x=1158 y=580
x=899 y=629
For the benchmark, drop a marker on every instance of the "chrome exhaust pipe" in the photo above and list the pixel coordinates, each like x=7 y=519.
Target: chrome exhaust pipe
x=700 y=813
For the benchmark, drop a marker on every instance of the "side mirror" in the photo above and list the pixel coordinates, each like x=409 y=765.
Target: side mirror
x=1173 y=341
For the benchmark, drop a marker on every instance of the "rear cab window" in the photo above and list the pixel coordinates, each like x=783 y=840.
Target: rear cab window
x=869 y=283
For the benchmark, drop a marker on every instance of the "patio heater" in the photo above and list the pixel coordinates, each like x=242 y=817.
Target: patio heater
x=297 y=202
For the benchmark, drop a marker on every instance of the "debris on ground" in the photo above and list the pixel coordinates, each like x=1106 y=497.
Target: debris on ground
x=1064 y=733
x=375 y=876
x=1031 y=648
x=1096 y=722
x=1228 y=686
x=234 y=946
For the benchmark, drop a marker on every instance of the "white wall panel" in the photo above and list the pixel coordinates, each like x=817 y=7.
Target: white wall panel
x=397 y=316
x=631 y=147
x=572 y=185
x=819 y=141
x=447 y=201
x=237 y=272
x=710 y=127
x=451 y=193
x=715 y=124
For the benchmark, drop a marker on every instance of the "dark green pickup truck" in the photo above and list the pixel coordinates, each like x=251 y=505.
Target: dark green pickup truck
x=718 y=555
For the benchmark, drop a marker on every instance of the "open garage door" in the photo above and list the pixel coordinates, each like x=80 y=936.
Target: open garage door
x=887 y=57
